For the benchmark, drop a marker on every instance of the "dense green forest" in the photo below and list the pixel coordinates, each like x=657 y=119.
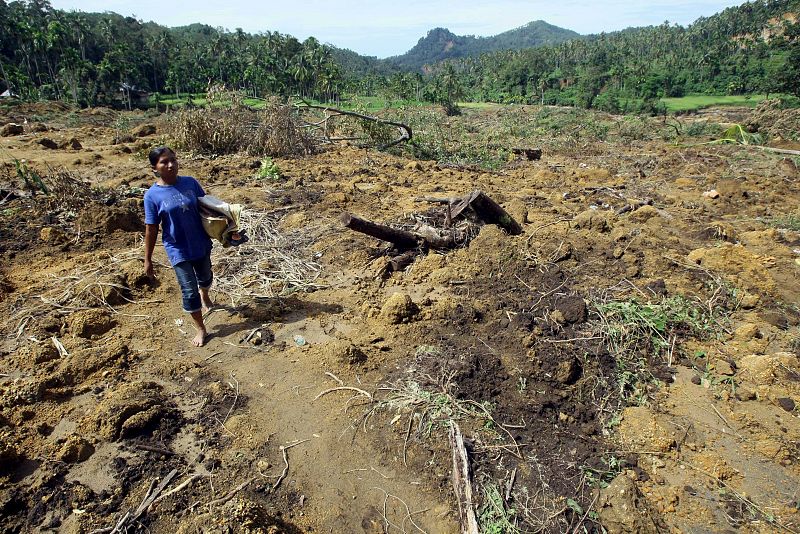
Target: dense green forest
x=90 y=59
x=747 y=49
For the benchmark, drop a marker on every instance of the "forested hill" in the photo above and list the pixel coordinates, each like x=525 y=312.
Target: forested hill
x=752 y=48
x=441 y=44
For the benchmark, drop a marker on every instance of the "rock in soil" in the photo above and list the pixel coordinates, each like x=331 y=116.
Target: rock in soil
x=623 y=510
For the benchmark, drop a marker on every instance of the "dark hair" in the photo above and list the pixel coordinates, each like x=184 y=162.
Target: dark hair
x=156 y=154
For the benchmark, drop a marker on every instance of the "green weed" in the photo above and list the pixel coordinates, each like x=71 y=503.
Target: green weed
x=637 y=333
x=33 y=181
x=269 y=170
x=601 y=478
x=434 y=408
x=494 y=517
x=786 y=222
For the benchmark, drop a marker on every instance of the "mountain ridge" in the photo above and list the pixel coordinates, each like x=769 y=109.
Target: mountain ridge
x=441 y=44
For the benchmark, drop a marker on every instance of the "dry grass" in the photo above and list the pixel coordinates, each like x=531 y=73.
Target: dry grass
x=271 y=264
x=227 y=126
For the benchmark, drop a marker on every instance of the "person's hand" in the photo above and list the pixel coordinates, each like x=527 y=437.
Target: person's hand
x=148 y=269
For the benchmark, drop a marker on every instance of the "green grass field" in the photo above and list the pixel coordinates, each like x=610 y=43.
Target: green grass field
x=693 y=102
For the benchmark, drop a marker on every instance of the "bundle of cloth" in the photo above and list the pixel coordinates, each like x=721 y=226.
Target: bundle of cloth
x=221 y=220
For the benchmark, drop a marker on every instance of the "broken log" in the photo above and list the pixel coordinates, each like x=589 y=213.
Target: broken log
x=633 y=206
x=531 y=154
x=401 y=238
x=461 y=482
x=402 y=261
x=488 y=210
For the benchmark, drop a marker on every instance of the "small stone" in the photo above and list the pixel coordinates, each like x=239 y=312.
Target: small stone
x=72 y=143
x=568 y=372
x=75 y=450
x=696 y=380
x=557 y=317
x=50 y=234
x=786 y=403
x=745 y=394
x=724 y=368
x=713 y=193
x=746 y=332
x=749 y=301
x=48 y=143
x=572 y=308
x=263 y=465
x=618 y=252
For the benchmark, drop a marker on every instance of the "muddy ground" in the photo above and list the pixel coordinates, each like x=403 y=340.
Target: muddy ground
x=103 y=397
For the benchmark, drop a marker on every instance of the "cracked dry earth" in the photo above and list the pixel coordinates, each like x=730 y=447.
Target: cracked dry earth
x=260 y=441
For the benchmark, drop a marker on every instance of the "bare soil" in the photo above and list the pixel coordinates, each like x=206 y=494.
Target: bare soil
x=501 y=335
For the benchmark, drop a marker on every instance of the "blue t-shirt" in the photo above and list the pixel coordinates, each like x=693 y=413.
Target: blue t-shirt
x=175 y=208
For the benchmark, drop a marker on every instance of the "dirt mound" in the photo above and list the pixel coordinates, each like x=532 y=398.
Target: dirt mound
x=106 y=219
x=248 y=516
x=128 y=411
x=740 y=266
x=88 y=323
x=773 y=120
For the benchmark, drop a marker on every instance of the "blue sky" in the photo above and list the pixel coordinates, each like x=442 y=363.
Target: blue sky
x=382 y=28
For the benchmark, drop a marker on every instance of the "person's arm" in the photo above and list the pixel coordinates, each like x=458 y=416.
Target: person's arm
x=150 y=235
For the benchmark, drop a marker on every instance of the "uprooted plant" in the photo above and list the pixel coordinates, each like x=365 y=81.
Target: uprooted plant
x=642 y=334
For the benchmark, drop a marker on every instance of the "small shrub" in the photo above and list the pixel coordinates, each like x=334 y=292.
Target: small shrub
x=269 y=170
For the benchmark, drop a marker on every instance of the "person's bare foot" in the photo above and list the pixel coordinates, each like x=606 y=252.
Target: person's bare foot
x=200 y=339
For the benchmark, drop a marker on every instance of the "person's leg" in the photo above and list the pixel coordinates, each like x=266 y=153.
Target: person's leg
x=205 y=277
x=192 y=304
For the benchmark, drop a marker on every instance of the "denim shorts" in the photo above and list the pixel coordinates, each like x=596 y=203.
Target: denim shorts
x=193 y=275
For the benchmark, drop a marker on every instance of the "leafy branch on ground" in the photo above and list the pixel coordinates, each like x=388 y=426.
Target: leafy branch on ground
x=639 y=334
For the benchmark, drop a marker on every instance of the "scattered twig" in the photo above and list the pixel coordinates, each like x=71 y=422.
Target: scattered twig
x=461 y=482
x=285 y=448
x=179 y=487
x=334 y=377
x=228 y=496
x=510 y=485
x=341 y=388
x=132 y=517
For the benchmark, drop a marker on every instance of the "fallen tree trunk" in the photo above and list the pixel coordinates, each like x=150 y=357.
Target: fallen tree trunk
x=488 y=210
x=401 y=238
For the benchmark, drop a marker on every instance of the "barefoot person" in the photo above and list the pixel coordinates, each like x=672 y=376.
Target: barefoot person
x=172 y=203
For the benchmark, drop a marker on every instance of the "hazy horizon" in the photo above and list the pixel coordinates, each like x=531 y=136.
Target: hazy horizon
x=381 y=29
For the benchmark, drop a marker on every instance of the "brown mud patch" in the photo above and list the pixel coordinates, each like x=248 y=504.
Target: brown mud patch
x=102 y=396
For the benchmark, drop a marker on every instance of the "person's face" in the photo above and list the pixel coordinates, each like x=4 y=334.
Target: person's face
x=167 y=166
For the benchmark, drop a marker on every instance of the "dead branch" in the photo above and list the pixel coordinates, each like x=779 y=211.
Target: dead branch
x=228 y=496
x=350 y=388
x=461 y=482
x=405 y=130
